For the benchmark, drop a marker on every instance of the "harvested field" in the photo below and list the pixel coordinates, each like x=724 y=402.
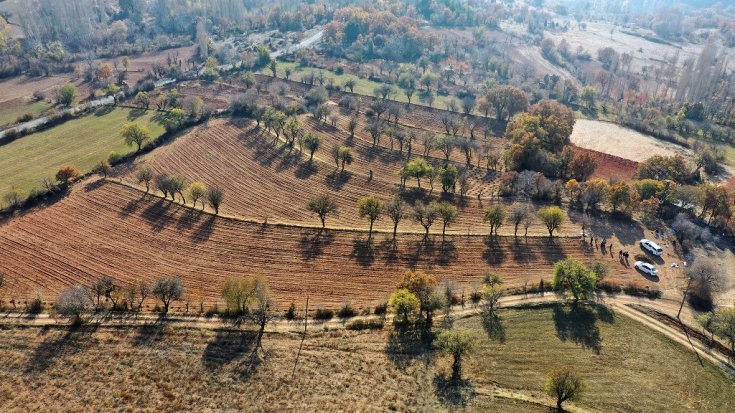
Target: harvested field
x=11 y=110
x=266 y=182
x=622 y=142
x=80 y=143
x=121 y=232
x=23 y=87
x=171 y=368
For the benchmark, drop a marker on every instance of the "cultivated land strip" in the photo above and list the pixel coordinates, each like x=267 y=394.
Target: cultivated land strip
x=104 y=228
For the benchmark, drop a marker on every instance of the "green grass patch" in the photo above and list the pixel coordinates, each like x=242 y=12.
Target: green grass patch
x=80 y=143
x=627 y=366
x=10 y=115
x=362 y=86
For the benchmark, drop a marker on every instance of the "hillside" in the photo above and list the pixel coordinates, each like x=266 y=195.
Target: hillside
x=160 y=367
x=123 y=233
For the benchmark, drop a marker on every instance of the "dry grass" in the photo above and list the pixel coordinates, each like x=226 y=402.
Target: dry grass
x=153 y=368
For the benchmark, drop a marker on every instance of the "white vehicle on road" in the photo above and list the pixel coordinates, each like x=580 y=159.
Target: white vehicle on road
x=646 y=268
x=651 y=247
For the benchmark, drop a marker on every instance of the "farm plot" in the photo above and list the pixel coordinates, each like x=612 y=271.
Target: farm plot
x=79 y=143
x=264 y=182
x=622 y=142
x=11 y=110
x=109 y=229
x=23 y=87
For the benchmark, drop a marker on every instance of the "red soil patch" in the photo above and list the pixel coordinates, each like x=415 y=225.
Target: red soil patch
x=108 y=229
x=611 y=166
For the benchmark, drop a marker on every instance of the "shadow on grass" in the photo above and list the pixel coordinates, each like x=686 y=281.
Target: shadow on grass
x=151 y=333
x=104 y=110
x=578 y=323
x=453 y=392
x=135 y=113
x=492 y=323
x=226 y=347
x=409 y=344
x=72 y=341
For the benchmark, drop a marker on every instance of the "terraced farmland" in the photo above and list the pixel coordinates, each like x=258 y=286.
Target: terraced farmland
x=110 y=229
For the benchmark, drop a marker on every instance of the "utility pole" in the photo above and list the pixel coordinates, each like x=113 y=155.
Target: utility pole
x=686 y=291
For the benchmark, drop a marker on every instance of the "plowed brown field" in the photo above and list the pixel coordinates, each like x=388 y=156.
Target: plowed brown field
x=110 y=229
x=261 y=180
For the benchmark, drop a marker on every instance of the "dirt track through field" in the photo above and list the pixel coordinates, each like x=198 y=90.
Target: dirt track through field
x=109 y=229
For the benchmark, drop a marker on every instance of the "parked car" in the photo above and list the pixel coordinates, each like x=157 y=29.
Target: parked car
x=651 y=247
x=646 y=268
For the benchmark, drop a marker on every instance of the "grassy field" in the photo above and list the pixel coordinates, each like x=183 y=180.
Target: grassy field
x=165 y=368
x=11 y=113
x=80 y=143
x=627 y=367
x=362 y=86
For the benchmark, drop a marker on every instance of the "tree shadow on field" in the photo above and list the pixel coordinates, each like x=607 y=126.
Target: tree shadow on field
x=70 y=342
x=227 y=346
x=104 y=110
x=409 y=344
x=363 y=252
x=389 y=247
x=578 y=323
x=447 y=252
x=453 y=392
x=187 y=218
x=492 y=323
x=419 y=251
x=91 y=186
x=150 y=334
x=159 y=214
x=132 y=206
x=337 y=179
x=494 y=254
x=312 y=243
x=306 y=170
x=522 y=251
x=551 y=249
x=205 y=229
x=136 y=113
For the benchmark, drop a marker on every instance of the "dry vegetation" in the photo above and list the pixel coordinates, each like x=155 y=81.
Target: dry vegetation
x=159 y=367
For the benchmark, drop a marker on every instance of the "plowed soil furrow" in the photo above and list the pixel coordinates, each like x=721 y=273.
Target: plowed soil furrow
x=110 y=229
x=265 y=181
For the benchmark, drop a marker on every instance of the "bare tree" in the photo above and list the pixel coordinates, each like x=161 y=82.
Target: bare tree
x=168 y=289
x=73 y=303
x=262 y=311
x=518 y=215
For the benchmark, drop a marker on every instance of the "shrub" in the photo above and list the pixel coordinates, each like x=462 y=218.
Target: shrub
x=291 y=312
x=642 y=257
x=324 y=315
x=35 y=306
x=475 y=297
x=365 y=325
x=212 y=311
x=637 y=291
x=381 y=309
x=24 y=118
x=39 y=95
x=347 y=311
x=114 y=158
